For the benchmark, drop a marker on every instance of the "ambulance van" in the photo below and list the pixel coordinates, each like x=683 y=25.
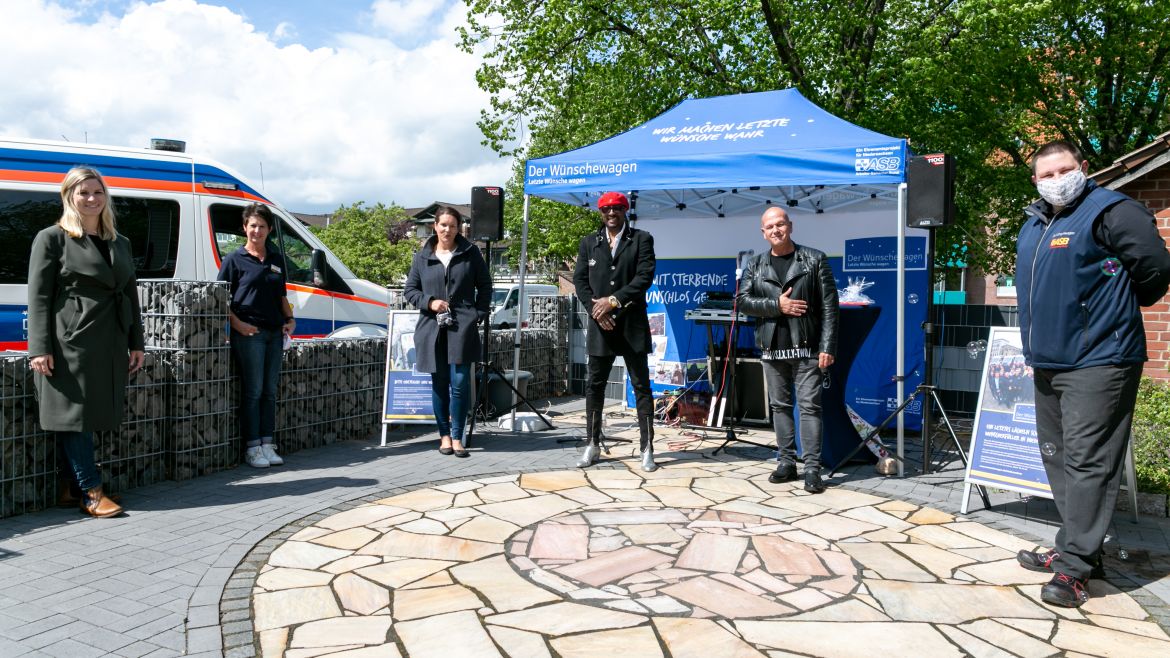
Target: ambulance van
x=182 y=215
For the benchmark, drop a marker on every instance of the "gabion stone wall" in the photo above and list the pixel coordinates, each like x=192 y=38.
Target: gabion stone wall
x=202 y=405
x=136 y=454
x=544 y=347
x=186 y=322
x=28 y=454
x=330 y=390
x=186 y=315
x=180 y=419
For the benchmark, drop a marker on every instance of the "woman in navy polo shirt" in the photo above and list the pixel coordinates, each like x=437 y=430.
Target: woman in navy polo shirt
x=450 y=284
x=260 y=318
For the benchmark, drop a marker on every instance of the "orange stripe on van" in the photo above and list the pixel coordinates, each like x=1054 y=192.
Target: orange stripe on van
x=340 y=295
x=123 y=183
x=23 y=176
x=114 y=182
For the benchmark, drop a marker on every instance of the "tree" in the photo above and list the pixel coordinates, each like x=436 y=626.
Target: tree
x=984 y=80
x=376 y=242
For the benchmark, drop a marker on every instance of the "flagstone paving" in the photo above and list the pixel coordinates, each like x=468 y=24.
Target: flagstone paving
x=701 y=558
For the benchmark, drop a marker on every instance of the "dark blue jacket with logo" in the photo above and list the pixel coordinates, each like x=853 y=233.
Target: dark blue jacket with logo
x=1081 y=277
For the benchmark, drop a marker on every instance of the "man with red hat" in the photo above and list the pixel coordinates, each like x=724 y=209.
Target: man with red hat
x=615 y=267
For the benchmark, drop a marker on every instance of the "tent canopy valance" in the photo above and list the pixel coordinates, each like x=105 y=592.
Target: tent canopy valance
x=722 y=155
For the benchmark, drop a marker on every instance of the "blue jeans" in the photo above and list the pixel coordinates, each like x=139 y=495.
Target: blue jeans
x=450 y=393
x=259 y=358
x=78 y=450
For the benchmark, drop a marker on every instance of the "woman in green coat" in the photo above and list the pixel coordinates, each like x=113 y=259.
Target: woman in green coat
x=84 y=327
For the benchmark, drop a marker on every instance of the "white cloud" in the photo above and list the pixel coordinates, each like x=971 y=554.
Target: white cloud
x=284 y=31
x=364 y=120
x=406 y=18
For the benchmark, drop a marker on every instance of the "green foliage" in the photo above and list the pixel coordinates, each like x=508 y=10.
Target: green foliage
x=984 y=80
x=375 y=242
x=1151 y=436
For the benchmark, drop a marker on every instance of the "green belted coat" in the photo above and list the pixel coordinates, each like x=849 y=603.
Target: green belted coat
x=85 y=313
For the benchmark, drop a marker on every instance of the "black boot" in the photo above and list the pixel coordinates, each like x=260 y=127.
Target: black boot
x=646 y=442
x=593 y=435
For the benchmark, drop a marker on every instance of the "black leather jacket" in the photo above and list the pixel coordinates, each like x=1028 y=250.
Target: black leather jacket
x=811 y=279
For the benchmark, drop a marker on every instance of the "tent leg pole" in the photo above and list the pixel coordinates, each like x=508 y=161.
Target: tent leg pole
x=521 y=311
x=900 y=356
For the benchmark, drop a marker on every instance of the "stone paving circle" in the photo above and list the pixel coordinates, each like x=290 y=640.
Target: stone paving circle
x=701 y=558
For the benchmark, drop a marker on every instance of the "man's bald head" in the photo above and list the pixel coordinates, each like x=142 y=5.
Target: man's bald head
x=775 y=212
x=777 y=230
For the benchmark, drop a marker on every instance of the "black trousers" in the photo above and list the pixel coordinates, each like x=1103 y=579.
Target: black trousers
x=639 y=371
x=1085 y=415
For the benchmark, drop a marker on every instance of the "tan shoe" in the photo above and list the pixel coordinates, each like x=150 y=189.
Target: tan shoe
x=95 y=503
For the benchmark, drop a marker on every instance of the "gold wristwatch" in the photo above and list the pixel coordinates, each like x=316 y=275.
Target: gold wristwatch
x=613 y=301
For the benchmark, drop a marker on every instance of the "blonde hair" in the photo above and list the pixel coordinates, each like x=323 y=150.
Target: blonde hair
x=70 y=221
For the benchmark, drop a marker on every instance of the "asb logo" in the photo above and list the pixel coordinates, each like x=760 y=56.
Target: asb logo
x=883 y=165
x=1058 y=243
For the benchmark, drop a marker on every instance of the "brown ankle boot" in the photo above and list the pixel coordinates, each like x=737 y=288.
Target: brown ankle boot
x=95 y=503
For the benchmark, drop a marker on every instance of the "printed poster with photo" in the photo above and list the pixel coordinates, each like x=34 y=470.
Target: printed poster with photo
x=1005 y=451
x=407 y=398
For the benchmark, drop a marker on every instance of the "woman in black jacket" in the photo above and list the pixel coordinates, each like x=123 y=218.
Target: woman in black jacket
x=450 y=285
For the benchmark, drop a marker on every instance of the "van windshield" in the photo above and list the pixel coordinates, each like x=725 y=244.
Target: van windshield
x=499 y=295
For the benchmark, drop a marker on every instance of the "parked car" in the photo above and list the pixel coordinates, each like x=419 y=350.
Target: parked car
x=506 y=310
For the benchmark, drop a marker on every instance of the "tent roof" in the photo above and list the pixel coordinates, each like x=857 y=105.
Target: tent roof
x=712 y=156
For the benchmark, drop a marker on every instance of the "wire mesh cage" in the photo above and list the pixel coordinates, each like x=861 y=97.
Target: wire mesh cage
x=184 y=314
x=181 y=416
x=186 y=321
x=136 y=453
x=28 y=454
x=330 y=390
x=544 y=347
x=202 y=406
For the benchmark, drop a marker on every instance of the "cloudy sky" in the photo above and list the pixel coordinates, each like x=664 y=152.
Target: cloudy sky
x=336 y=100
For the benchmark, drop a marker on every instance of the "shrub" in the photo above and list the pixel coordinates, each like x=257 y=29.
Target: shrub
x=1151 y=436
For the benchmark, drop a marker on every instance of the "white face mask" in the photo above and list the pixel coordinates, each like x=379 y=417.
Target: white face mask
x=1064 y=190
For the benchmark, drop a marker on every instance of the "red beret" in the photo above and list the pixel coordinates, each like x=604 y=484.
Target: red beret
x=613 y=199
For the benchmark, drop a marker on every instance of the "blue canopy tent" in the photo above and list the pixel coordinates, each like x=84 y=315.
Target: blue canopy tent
x=727 y=155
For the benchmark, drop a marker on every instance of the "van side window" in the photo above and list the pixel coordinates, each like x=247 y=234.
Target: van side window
x=227 y=224
x=151 y=225
x=298 y=255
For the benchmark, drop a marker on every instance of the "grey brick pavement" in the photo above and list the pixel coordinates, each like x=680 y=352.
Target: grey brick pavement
x=172 y=575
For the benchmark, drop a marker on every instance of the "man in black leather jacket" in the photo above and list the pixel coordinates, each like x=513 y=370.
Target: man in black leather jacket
x=791 y=292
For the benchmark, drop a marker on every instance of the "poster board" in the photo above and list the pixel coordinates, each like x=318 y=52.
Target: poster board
x=407 y=395
x=1005 y=452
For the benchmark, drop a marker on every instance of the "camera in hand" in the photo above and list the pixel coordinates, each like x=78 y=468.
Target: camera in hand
x=446 y=320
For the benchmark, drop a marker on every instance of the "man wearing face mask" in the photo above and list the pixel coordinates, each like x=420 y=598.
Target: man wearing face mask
x=1086 y=259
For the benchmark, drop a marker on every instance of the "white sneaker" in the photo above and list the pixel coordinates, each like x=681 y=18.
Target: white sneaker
x=255 y=457
x=270 y=454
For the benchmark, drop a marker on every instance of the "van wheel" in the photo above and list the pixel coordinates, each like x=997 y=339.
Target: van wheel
x=504 y=326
